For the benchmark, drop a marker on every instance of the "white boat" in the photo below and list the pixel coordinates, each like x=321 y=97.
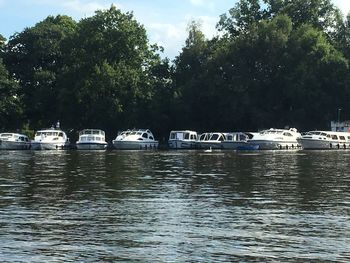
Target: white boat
x=276 y=139
x=235 y=141
x=14 y=141
x=141 y=139
x=91 y=139
x=182 y=139
x=325 y=140
x=211 y=140
x=50 y=139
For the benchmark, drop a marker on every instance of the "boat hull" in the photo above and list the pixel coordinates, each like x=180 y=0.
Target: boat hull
x=48 y=146
x=135 y=145
x=91 y=146
x=181 y=144
x=208 y=144
x=275 y=145
x=312 y=144
x=8 y=145
x=233 y=145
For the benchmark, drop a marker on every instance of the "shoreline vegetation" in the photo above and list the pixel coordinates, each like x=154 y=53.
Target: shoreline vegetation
x=273 y=64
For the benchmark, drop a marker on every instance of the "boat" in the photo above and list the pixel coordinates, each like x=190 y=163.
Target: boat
x=91 y=139
x=14 y=141
x=276 y=139
x=136 y=139
x=211 y=140
x=323 y=140
x=182 y=139
x=50 y=139
x=236 y=141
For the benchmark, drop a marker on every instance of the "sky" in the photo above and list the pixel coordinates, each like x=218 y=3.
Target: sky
x=165 y=20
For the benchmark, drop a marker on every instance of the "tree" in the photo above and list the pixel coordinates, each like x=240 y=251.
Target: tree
x=10 y=104
x=108 y=73
x=241 y=17
x=34 y=59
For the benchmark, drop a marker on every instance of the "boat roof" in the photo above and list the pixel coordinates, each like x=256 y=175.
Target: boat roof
x=136 y=130
x=11 y=134
x=178 y=131
x=330 y=132
x=50 y=130
x=91 y=130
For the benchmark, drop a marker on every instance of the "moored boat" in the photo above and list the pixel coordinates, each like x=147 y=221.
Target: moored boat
x=235 y=141
x=324 y=140
x=91 y=139
x=182 y=139
x=276 y=139
x=137 y=139
x=14 y=141
x=211 y=140
x=50 y=139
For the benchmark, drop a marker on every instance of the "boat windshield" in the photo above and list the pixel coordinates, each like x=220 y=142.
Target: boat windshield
x=47 y=134
x=5 y=135
x=314 y=133
x=216 y=137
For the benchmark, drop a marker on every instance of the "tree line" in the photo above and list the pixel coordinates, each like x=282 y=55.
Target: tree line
x=274 y=63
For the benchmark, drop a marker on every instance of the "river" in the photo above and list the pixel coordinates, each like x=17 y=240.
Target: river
x=174 y=206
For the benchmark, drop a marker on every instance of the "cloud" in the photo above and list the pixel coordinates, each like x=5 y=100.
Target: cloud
x=203 y=4
x=197 y=2
x=173 y=36
x=79 y=6
x=343 y=5
x=170 y=36
x=82 y=7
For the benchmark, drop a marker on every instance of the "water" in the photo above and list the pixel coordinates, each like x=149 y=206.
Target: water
x=174 y=206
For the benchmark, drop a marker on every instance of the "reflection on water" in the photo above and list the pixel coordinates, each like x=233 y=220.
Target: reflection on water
x=175 y=206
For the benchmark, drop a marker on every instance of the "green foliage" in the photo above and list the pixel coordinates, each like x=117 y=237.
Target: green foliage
x=110 y=54
x=10 y=104
x=34 y=58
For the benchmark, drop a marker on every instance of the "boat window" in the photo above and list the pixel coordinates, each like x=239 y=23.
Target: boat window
x=323 y=134
x=98 y=139
x=172 y=136
x=328 y=136
x=194 y=137
x=60 y=134
x=202 y=137
x=342 y=138
x=229 y=137
x=348 y=138
x=187 y=136
x=242 y=137
x=222 y=138
x=145 y=135
x=140 y=139
x=287 y=134
x=334 y=137
x=96 y=132
x=214 y=137
x=150 y=137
